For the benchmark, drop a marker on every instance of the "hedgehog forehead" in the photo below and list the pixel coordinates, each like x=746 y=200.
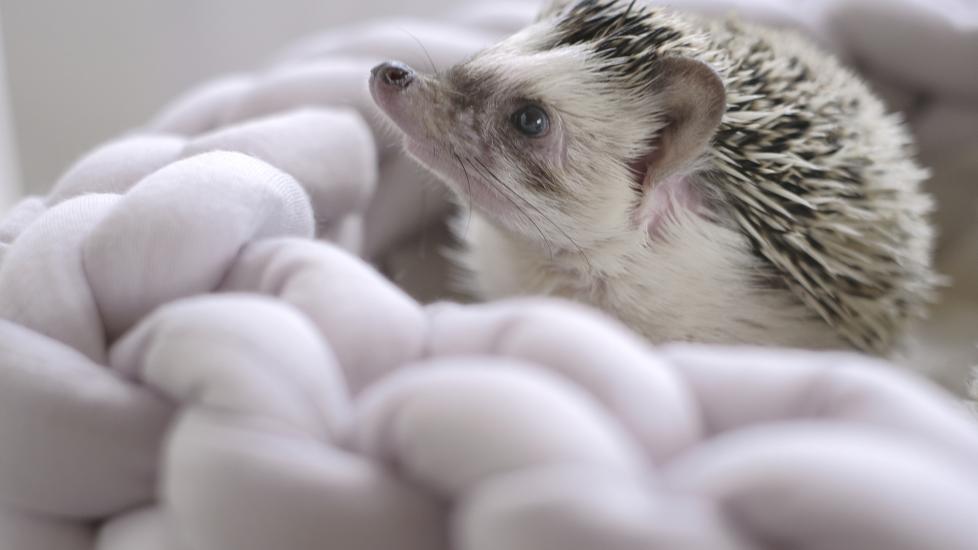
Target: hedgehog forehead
x=529 y=73
x=610 y=45
x=610 y=42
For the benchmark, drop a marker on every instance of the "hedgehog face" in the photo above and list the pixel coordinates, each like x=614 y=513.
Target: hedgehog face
x=549 y=136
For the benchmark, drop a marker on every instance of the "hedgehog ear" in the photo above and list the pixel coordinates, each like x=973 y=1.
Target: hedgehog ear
x=690 y=96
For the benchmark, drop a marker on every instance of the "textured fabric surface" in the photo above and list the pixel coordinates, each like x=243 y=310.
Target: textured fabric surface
x=184 y=367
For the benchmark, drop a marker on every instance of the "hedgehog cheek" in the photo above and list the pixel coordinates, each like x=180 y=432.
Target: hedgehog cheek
x=691 y=98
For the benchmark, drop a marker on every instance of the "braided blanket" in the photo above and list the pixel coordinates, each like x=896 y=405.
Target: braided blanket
x=183 y=366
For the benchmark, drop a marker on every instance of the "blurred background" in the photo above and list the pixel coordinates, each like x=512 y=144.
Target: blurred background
x=74 y=74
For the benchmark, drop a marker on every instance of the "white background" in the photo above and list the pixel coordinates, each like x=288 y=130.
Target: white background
x=81 y=72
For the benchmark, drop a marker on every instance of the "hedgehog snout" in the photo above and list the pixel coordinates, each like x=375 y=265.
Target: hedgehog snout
x=393 y=74
x=400 y=93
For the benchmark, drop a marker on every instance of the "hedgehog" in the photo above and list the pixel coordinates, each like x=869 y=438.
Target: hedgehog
x=700 y=179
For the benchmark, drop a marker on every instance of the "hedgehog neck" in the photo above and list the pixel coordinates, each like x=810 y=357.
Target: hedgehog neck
x=696 y=284
x=581 y=267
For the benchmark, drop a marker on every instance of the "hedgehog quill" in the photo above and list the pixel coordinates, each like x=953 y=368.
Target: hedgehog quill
x=701 y=180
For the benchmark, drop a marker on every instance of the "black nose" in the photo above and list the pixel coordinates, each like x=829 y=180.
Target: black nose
x=394 y=74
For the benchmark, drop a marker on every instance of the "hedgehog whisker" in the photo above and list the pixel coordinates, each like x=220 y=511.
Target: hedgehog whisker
x=446 y=90
x=549 y=220
x=425 y=50
x=468 y=186
x=519 y=209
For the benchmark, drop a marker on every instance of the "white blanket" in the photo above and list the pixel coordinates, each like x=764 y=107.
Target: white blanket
x=183 y=367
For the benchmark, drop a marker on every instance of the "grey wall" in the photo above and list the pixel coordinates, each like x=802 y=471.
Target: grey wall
x=9 y=174
x=82 y=72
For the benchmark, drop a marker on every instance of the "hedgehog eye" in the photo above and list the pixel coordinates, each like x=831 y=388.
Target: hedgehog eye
x=531 y=121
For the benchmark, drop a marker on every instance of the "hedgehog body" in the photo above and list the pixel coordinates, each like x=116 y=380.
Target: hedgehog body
x=793 y=217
